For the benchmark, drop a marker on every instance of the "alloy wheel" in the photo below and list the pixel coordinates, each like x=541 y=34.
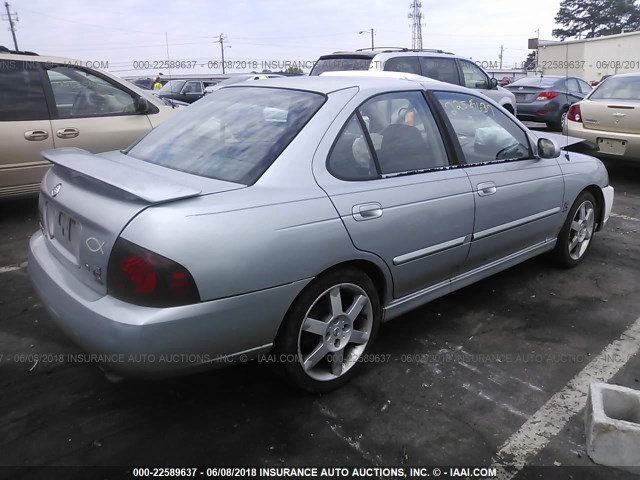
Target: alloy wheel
x=335 y=332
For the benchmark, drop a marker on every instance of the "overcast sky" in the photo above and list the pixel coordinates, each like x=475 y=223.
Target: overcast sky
x=123 y=31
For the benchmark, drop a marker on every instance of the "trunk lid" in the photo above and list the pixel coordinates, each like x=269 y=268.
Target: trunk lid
x=87 y=200
x=525 y=94
x=621 y=116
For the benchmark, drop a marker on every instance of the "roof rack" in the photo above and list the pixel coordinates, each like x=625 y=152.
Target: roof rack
x=4 y=49
x=403 y=49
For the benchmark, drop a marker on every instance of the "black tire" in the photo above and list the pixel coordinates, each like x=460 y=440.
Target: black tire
x=292 y=344
x=564 y=255
x=558 y=124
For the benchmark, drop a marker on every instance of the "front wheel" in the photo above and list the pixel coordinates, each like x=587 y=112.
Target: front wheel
x=576 y=234
x=328 y=330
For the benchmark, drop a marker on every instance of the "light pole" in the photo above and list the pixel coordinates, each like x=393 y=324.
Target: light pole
x=371 y=30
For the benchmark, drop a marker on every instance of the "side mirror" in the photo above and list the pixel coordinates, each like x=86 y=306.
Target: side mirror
x=548 y=148
x=493 y=83
x=142 y=105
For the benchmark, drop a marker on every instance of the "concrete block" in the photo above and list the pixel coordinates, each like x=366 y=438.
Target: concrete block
x=612 y=422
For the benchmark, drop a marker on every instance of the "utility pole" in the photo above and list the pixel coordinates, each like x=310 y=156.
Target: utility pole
x=10 y=17
x=501 y=50
x=221 y=40
x=367 y=31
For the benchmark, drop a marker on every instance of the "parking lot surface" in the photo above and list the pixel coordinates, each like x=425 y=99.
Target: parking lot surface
x=455 y=380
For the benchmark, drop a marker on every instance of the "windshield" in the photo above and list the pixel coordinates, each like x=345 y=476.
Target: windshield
x=234 y=134
x=342 y=63
x=172 y=86
x=619 y=88
x=534 y=82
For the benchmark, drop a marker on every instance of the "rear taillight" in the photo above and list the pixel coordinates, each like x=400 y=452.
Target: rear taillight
x=574 y=113
x=547 y=95
x=142 y=277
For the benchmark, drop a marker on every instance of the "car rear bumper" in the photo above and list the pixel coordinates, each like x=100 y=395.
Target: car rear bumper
x=632 y=150
x=538 y=112
x=157 y=342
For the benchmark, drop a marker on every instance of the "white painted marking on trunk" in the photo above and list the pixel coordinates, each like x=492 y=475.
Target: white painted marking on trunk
x=625 y=217
x=537 y=432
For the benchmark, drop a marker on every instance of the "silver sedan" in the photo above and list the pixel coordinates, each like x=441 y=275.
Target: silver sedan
x=285 y=220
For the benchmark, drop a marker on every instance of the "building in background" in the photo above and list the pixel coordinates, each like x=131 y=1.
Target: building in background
x=592 y=58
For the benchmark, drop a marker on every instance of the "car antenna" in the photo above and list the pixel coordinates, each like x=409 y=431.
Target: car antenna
x=166 y=41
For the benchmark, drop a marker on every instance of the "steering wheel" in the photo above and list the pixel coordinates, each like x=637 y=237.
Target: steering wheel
x=502 y=154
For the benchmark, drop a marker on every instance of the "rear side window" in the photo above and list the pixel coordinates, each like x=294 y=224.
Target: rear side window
x=403 y=134
x=234 y=134
x=403 y=64
x=443 y=69
x=21 y=93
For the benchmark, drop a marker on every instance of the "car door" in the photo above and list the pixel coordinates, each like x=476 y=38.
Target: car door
x=25 y=128
x=91 y=112
x=518 y=197
x=384 y=170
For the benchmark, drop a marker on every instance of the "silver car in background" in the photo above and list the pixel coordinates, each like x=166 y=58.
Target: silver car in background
x=290 y=217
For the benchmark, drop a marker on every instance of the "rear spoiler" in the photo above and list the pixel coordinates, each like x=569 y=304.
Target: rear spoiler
x=135 y=181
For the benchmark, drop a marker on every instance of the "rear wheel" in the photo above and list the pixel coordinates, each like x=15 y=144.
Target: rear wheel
x=576 y=234
x=328 y=330
x=558 y=125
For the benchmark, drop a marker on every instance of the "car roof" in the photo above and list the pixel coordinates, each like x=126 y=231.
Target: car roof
x=389 y=51
x=326 y=84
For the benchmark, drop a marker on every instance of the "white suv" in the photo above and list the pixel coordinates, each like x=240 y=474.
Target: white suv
x=50 y=102
x=436 y=64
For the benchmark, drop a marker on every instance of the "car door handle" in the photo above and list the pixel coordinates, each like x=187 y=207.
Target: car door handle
x=68 y=132
x=366 y=211
x=36 y=135
x=486 y=188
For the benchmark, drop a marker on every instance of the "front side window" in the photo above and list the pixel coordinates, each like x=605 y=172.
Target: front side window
x=443 y=69
x=403 y=64
x=192 y=87
x=21 y=93
x=484 y=132
x=172 y=86
x=78 y=93
x=403 y=134
x=474 y=77
x=234 y=134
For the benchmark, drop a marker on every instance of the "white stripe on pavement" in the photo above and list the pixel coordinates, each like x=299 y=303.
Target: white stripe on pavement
x=13 y=268
x=538 y=431
x=624 y=217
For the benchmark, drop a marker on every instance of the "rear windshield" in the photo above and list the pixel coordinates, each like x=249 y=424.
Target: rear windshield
x=534 y=82
x=619 y=88
x=339 y=64
x=234 y=134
